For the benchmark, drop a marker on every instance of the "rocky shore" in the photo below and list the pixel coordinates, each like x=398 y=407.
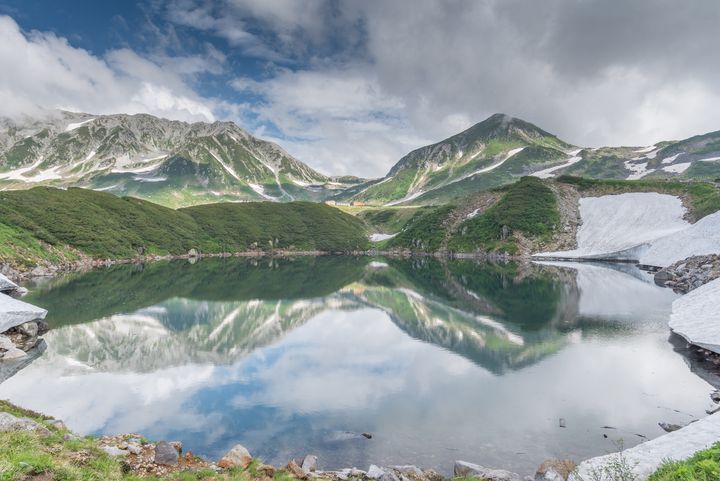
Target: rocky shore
x=689 y=274
x=142 y=458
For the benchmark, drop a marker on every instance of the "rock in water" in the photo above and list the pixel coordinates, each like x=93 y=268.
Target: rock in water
x=309 y=464
x=237 y=456
x=555 y=470
x=469 y=470
x=669 y=427
x=166 y=454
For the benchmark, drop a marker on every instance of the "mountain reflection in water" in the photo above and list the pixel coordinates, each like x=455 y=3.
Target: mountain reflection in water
x=440 y=360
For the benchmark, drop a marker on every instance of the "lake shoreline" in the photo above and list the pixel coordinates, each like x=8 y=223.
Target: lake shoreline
x=391 y=473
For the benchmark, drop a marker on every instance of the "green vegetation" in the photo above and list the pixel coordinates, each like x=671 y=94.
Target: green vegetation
x=388 y=219
x=20 y=247
x=424 y=232
x=528 y=207
x=103 y=225
x=703 y=466
x=704 y=197
x=26 y=454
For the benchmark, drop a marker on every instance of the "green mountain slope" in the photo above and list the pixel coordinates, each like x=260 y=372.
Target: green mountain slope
x=103 y=225
x=488 y=154
x=170 y=162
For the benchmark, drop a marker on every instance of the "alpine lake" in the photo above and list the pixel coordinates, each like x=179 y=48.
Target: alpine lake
x=365 y=360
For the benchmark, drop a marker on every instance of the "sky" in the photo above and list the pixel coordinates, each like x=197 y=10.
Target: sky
x=351 y=86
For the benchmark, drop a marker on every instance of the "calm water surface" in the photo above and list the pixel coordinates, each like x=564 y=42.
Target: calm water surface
x=438 y=361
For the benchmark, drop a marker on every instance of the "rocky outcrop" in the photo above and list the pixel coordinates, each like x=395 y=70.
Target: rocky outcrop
x=464 y=469
x=689 y=274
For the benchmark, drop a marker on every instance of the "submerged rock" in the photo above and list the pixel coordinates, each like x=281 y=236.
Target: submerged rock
x=669 y=427
x=238 y=456
x=470 y=470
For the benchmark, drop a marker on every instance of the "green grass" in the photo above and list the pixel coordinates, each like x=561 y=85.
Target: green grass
x=105 y=226
x=528 y=206
x=424 y=232
x=704 y=197
x=703 y=466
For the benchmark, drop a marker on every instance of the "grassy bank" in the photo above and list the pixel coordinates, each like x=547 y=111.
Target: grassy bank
x=105 y=226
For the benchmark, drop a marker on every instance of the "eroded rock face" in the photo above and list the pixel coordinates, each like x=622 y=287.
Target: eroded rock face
x=8 y=423
x=238 y=456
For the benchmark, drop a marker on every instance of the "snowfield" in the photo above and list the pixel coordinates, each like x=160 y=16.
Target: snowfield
x=678 y=168
x=695 y=316
x=643 y=227
x=550 y=171
x=614 y=224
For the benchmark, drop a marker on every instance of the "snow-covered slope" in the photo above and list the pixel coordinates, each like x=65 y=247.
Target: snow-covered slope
x=696 y=316
x=615 y=226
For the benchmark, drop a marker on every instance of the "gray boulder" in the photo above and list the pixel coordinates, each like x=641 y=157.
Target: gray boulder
x=669 y=427
x=14 y=312
x=470 y=470
x=114 y=451
x=166 y=454
x=5 y=343
x=375 y=472
x=309 y=463
x=8 y=423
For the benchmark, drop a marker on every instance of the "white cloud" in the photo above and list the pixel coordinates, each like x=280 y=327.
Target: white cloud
x=47 y=72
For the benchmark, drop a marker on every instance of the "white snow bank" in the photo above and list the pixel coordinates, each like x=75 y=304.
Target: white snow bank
x=710 y=159
x=6 y=284
x=671 y=159
x=644 y=150
x=697 y=239
x=696 y=316
x=612 y=224
x=472 y=214
x=677 y=168
x=646 y=458
x=507 y=156
x=376 y=237
x=14 y=312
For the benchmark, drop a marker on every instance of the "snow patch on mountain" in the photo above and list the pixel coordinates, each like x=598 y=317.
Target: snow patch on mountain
x=671 y=159
x=76 y=125
x=638 y=171
x=677 y=168
x=710 y=159
x=550 y=172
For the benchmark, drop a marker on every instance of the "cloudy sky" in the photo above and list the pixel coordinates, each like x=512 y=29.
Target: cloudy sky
x=350 y=86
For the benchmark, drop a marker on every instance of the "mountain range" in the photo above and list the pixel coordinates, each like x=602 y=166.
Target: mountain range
x=179 y=164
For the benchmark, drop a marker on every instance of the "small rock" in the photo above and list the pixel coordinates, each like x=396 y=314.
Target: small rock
x=367 y=435
x=713 y=410
x=266 y=470
x=30 y=329
x=309 y=463
x=669 y=427
x=555 y=470
x=295 y=470
x=166 y=454
x=562 y=422
x=408 y=469
x=470 y=470
x=237 y=456
x=134 y=448
x=715 y=396
x=114 y=451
